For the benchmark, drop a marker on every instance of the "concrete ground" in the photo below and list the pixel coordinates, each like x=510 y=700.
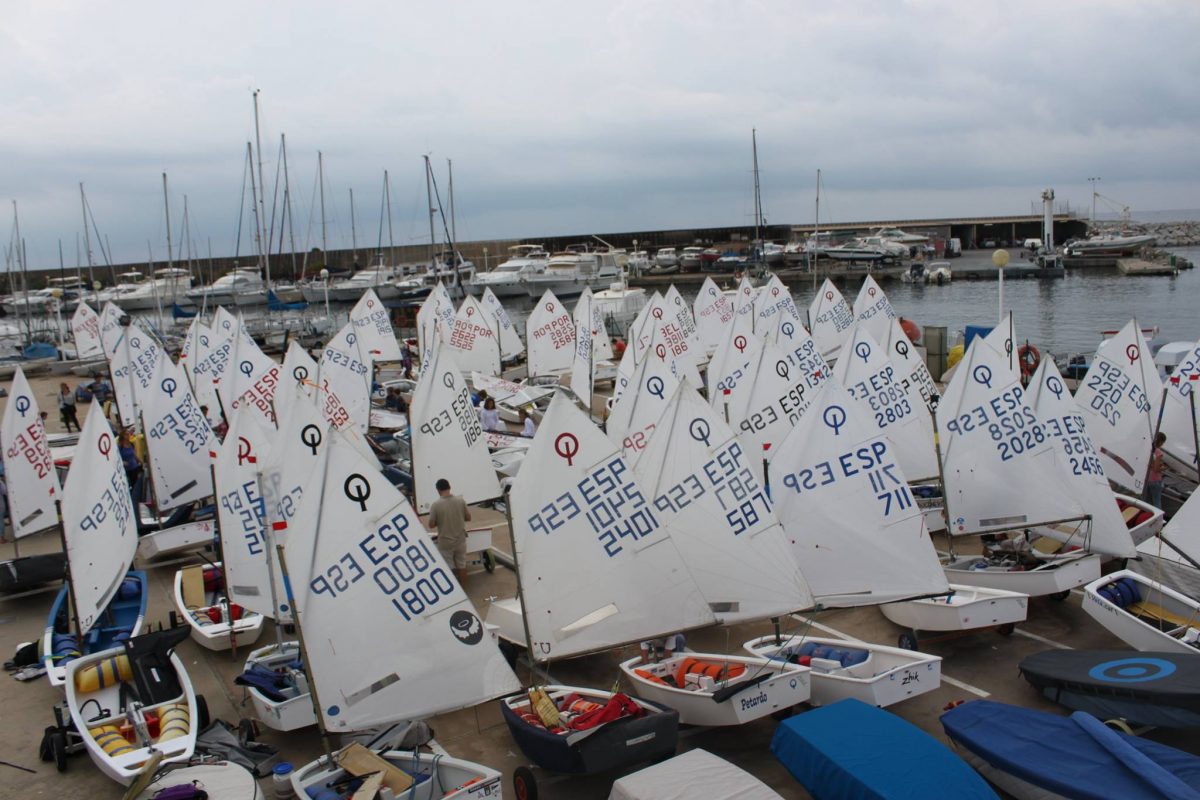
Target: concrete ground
x=979 y=665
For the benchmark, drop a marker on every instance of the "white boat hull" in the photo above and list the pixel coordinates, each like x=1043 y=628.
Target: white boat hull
x=175 y=540
x=221 y=635
x=1183 y=621
x=455 y=779
x=123 y=768
x=224 y=780
x=295 y=712
x=968 y=608
x=888 y=676
x=1059 y=573
x=1148 y=528
x=788 y=686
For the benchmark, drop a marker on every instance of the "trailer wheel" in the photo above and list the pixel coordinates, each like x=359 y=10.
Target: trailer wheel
x=58 y=746
x=1006 y=629
x=202 y=718
x=1060 y=596
x=524 y=784
x=489 y=561
x=907 y=641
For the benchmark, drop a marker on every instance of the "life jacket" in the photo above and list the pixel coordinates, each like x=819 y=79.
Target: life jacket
x=718 y=671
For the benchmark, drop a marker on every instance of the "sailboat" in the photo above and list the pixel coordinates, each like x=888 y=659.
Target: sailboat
x=829 y=319
x=419 y=648
x=1172 y=556
x=712 y=312
x=103 y=603
x=549 y=337
x=1180 y=419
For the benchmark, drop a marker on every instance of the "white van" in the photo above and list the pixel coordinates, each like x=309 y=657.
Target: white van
x=953 y=248
x=1032 y=245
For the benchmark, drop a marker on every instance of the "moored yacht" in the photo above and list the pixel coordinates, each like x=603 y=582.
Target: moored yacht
x=689 y=259
x=505 y=280
x=378 y=277
x=1109 y=245
x=135 y=292
x=242 y=287
x=666 y=257
x=567 y=273
x=618 y=306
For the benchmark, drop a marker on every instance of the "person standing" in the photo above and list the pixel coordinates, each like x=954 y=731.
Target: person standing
x=133 y=467
x=1154 y=481
x=66 y=408
x=489 y=417
x=528 y=427
x=449 y=516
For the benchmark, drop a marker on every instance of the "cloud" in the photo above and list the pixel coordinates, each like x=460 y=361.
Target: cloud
x=570 y=118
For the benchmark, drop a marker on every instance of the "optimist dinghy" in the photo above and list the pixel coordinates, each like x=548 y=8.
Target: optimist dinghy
x=1172 y=557
x=965 y=608
x=216 y=622
x=131 y=701
x=408 y=773
x=99 y=537
x=1144 y=614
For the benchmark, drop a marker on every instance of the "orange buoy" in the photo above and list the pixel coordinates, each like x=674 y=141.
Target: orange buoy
x=1029 y=358
x=911 y=330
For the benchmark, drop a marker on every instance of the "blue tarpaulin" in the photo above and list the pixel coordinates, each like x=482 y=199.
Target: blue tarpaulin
x=853 y=751
x=1076 y=756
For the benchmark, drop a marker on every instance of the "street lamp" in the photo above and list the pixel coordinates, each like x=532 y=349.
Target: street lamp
x=1093 y=182
x=325 y=280
x=637 y=264
x=485 y=260
x=1000 y=259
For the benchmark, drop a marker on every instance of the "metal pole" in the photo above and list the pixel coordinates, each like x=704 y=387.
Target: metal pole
x=321 y=182
x=353 y=228
x=517 y=571
x=87 y=238
x=266 y=251
x=258 y=224
x=937 y=451
x=1195 y=431
x=62 y=533
x=387 y=195
x=429 y=202
x=287 y=202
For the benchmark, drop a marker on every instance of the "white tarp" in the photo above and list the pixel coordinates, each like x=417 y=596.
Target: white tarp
x=178 y=438
x=829 y=319
x=1119 y=398
x=473 y=341
x=511 y=345
x=870 y=378
x=856 y=531
x=549 y=337
x=696 y=773
x=373 y=327
x=99 y=525
x=85 y=328
x=369 y=581
x=597 y=567
x=998 y=463
x=28 y=466
x=713 y=313
x=447 y=438
x=1079 y=463
x=703 y=489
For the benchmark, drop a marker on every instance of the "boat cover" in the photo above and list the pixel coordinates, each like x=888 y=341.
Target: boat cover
x=28 y=572
x=1171 y=679
x=696 y=773
x=850 y=750
x=1076 y=756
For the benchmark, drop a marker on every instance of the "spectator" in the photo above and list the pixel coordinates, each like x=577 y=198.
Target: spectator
x=449 y=516
x=528 y=428
x=66 y=407
x=133 y=467
x=1154 y=481
x=392 y=403
x=489 y=417
x=662 y=649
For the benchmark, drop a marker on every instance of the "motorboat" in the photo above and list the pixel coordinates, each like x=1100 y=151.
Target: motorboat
x=241 y=287
x=1110 y=245
x=708 y=257
x=772 y=253
x=795 y=252
x=728 y=261
x=689 y=259
x=505 y=280
x=569 y=272
x=449 y=269
x=666 y=258
x=135 y=292
x=618 y=305
x=938 y=272
x=896 y=235
x=379 y=277
x=858 y=250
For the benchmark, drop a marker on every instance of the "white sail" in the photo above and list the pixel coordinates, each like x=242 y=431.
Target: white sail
x=433 y=320
x=681 y=334
x=638 y=335
x=703 y=489
x=1003 y=339
x=911 y=371
x=241 y=511
x=1182 y=531
x=189 y=350
x=782 y=388
x=601 y=343
x=474 y=342
x=110 y=328
x=345 y=378
x=733 y=351
x=447 y=438
x=511 y=345
x=369 y=582
x=772 y=306
x=998 y=463
x=85 y=328
x=178 y=439
x=625 y=369
x=373 y=328
x=297 y=380
x=215 y=350
x=856 y=532
x=583 y=361
x=1181 y=412
x=1079 y=463
x=28 y=466
x=576 y=502
x=868 y=375
x=829 y=319
x=1119 y=398
x=632 y=420
x=713 y=314
x=549 y=337
x=132 y=367
x=99 y=526
x=731 y=372
x=871 y=302
x=743 y=301
x=250 y=379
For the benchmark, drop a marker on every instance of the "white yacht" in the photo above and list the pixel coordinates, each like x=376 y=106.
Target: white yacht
x=135 y=292
x=666 y=257
x=689 y=259
x=524 y=260
x=568 y=272
x=242 y=287
x=904 y=238
x=379 y=277
x=866 y=250
x=618 y=305
x=638 y=262
x=441 y=269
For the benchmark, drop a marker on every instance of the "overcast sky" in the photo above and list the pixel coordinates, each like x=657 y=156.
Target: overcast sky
x=565 y=118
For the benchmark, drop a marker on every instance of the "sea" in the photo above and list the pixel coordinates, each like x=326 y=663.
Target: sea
x=1063 y=316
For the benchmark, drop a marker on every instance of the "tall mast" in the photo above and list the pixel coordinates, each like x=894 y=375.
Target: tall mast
x=321 y=182
x=387 y=194
x=454 y=263
x=353 y=229
x=87 y=238
x=264 y=251
x=258 y=223
x=812 y=254
x=432 y=210
x=453 y=230
x=21 y=259
x=170 y=258
x=287 y=202
x=757 y=196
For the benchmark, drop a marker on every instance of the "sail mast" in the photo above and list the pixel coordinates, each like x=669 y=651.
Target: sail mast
x=287 y=202
x=321 y=182
x=760 y=256
x=432 y=210
x=353 y=229
x=264 y=252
